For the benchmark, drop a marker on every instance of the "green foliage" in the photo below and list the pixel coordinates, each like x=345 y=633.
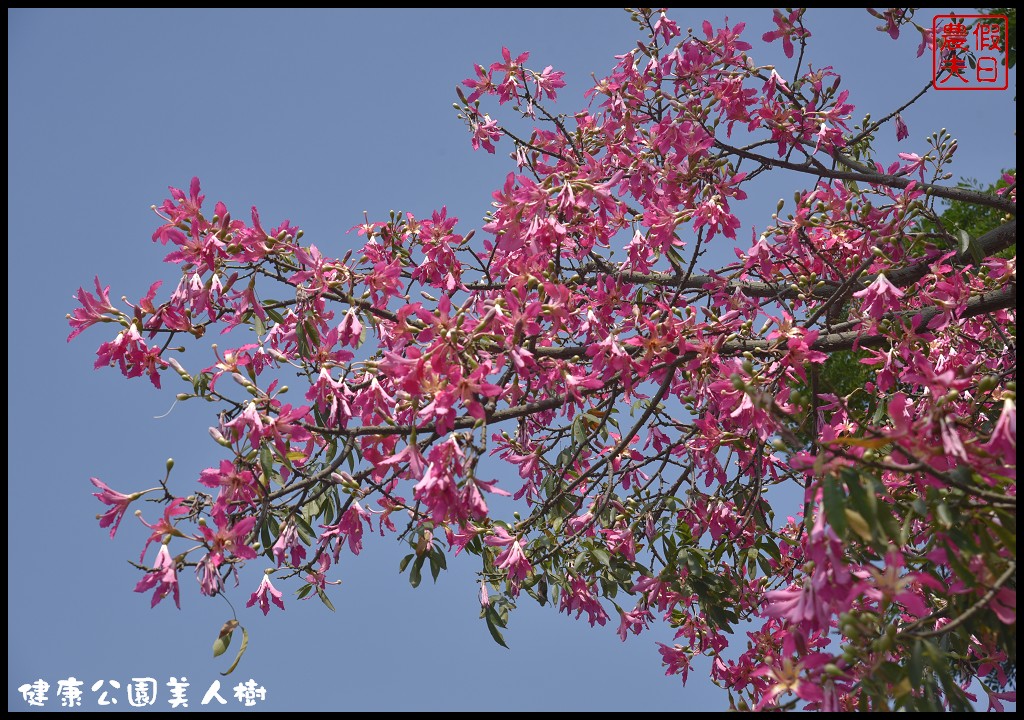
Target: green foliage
x=1011 y=16
x=975 y=220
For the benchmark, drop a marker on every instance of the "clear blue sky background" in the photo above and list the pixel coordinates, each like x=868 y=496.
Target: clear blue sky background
x=313 y=116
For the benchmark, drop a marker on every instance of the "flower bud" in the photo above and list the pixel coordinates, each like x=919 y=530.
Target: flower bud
x=219 y=437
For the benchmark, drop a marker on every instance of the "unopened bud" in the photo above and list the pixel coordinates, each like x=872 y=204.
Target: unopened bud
x=219 y=437
x=179 y=369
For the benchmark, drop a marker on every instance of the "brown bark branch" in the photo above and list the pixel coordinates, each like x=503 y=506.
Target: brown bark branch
x=949 y=193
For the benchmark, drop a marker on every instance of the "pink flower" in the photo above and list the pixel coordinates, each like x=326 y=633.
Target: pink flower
x=289 y=541
x=798 y=604
x=351 y=330
x=880 y=297
x=902 y=133
x=905 y=588
x=164 y=576
x=995 y=698
x=1003 y=442
x=264 y=595
x=437 y=490
x=228 y=538
x=548 y=81
x=208 y=575
x=509 y=86
x=787 y=30
x=93 y=310
x=350 y=527
x=676 y=659
x=789 y=676
x=318 y=578
x=927 y=40
x=512 y=559
x=668 y=29
x=485 y=133
x=636 y=620
x=118 y=505
x=180 y=210
x=620 y=541
x=482 y=85
x=580 y=597
x=164 y=526
x=893 y=17
x=129 y=351
x=581 y=522
x=235 y=486
x=914 y=162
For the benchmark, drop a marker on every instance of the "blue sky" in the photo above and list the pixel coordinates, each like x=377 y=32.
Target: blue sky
x=314 y=116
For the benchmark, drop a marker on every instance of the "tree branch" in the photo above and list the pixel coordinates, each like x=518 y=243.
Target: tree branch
x=962 y=194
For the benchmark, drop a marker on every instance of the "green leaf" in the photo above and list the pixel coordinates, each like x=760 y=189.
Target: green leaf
x=241 y=652
x=671 y=551
x=266 y=537
x=258 y=325
x=405 y=562
x=312 y=334
x=273 y=314
x=1006 y=529
x=887 y=522
x=835 y=504
x=415 y=575
x=579 y=431
x=306 y=533
x=327 y=504
x=863 y=517
x=325 y=600
x=769 y=547
x=300 y=335
x=601 y=556
x=332 y=446
x=858 y=524
x=221 y=644
x=491 y=618
x=266 y=463
x=304 y=591
x=916 y=664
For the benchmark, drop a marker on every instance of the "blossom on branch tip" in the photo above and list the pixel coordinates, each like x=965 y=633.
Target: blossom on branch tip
x=94 y=309
x=512 y=559
x=288 y=542
x=118 y=503
x=1003 y=441
x=787 y=30
x=349 y=527
x=164 y=526
x=880 y=297
x=163 y=577
x=264 y=594
x=902 y=133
